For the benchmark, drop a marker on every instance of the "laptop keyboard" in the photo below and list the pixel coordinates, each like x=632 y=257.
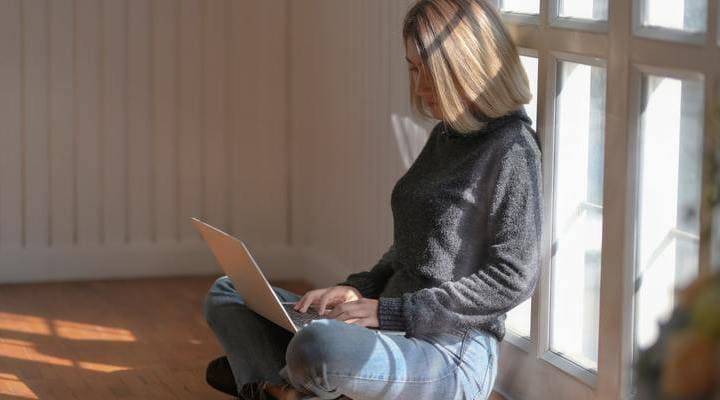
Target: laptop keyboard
x=301 y=319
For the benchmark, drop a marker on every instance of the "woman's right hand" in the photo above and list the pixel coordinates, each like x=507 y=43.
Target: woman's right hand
x=329 y=296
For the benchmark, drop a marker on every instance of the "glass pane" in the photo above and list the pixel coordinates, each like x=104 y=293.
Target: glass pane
x=531 y=69
x=585 y=9
x=670 y=169
x=518 y=320
x=520 y=6
x=686 y=15
x=578 y=212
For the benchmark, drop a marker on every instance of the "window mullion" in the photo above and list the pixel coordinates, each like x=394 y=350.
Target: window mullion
x=544 y=16
x=540 y=322
x=619 y=214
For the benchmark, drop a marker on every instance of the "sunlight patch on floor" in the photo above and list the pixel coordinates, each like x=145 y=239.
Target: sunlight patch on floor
x=79 y=331
x=24 y=324
x=11 y=385
x=97 y=367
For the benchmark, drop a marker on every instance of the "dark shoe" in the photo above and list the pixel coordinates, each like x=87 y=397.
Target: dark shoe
x=254 y=391
x=220 y=376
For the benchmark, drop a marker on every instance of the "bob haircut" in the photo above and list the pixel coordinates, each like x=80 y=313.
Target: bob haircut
x=471 y=60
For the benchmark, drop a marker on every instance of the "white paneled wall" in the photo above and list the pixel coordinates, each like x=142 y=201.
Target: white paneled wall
x=351 y=137
x=285 y=122
x=119 y=119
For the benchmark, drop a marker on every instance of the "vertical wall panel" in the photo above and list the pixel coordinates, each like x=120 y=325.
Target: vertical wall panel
x=259 y=124
x=245 y=110
x=192 y=135
x=119 y=119
x=165 y=41
x=11 y=187
x=61 y=126
x=139 y=122
x=114 y=120
x=35 y=88
x=268 y=130
x=215 y=77
x=87 y=121
x=348 y=80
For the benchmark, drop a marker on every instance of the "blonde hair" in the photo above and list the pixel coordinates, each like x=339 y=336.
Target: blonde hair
x=471 y=59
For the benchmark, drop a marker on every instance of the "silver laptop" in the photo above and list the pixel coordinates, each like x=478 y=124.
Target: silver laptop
x=237 y=263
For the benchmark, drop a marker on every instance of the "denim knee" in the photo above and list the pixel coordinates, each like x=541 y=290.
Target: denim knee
x=314 y=349
x=221 y=293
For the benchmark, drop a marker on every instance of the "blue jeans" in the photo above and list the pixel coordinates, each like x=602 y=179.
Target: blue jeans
x=331 y=358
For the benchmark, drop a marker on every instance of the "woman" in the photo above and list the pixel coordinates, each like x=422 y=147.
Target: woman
x=467 y=227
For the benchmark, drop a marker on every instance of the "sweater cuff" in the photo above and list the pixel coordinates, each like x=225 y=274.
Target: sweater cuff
x=390 y=314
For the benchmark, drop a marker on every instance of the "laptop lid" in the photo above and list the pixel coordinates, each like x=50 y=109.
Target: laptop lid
x=237 y=262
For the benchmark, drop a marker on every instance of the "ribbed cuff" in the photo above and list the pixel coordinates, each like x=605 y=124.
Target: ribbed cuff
x=390 y=314
x=365 y=287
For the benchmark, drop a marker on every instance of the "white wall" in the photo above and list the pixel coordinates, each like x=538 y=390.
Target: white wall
x=351 y=138
x=119 y=119
x=284 y=122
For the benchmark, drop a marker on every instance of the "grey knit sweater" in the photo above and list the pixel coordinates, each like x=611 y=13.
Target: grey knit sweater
x=467 y=223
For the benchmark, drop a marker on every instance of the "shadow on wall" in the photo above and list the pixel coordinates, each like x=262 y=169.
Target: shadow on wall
x=410 y=136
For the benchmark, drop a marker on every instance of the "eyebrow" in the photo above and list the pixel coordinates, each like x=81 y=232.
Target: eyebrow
x=408 y=60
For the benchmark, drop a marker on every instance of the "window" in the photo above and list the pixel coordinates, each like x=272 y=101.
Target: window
x=583 y=9
x=670 y=181
x=677 y=20
x=531 y=69
x=578 y=212
x=622 y=120
x=520 y=6
x=684 y=15
x=519 y=319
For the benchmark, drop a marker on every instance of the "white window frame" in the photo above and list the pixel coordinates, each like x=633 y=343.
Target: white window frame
x=634 y=147
x=549 y=146
x=529 y=371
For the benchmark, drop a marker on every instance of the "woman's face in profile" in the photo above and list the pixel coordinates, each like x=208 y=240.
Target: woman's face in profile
x=422 y=81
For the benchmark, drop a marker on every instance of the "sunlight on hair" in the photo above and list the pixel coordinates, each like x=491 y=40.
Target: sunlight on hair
x=473 y=63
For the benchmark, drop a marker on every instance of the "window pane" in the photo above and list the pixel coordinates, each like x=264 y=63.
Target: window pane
x=531 y=69
x=578 y=212
x=585 y=9
x=670 y=169
x=520 y=6
x=518 y=320
x=687 y=15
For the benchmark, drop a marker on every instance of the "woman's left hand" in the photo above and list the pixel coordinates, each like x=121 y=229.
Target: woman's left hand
x=363 y=312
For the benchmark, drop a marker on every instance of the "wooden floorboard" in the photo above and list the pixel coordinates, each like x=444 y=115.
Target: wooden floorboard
x=123 y=339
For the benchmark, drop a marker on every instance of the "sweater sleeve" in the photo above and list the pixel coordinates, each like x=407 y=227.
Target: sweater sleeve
x=507 y=276
x=371 y=283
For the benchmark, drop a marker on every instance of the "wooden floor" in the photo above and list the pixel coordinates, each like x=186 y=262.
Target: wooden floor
x=131 y=339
